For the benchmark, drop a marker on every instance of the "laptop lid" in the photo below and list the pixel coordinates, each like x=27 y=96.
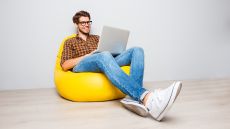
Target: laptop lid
x=113 y=40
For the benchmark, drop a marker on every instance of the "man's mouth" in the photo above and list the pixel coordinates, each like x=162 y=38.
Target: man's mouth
x=86 y=29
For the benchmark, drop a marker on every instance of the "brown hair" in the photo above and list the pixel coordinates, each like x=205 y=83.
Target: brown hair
x=80 y=14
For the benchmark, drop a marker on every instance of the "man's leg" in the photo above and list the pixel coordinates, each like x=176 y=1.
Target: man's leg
x=158 y=102
x=135 y=58
x=105 y=62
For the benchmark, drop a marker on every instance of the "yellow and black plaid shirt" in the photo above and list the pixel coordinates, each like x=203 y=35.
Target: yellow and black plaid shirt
x=77 y=47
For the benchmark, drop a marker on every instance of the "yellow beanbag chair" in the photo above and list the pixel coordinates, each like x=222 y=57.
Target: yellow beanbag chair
x=84 y=86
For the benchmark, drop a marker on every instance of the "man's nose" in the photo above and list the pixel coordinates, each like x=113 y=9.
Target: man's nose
x=86 y=25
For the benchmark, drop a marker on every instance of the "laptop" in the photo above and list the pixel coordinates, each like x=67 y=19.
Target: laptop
x=113 y=40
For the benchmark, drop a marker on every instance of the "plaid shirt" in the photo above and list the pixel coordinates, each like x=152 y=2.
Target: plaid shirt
x=77 y=47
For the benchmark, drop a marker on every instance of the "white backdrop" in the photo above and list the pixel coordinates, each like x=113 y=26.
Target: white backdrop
x=182 y=39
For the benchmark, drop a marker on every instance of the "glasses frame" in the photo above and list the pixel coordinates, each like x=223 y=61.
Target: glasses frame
x=83 y=23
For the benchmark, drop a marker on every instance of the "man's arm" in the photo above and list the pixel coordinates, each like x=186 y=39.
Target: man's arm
x=68 y=64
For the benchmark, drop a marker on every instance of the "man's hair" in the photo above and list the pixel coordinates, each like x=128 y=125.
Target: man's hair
x=80 y=14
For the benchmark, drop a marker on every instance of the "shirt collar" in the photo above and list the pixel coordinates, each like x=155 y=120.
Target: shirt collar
x=77 y=37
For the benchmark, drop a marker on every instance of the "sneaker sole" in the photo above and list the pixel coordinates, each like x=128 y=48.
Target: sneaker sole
x=176 y=90
x=136 y=108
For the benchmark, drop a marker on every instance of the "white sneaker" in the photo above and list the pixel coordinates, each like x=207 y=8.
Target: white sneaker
x=160 y=101
x=135 y=107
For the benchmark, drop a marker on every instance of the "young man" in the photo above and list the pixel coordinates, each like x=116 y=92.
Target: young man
x=77 y=56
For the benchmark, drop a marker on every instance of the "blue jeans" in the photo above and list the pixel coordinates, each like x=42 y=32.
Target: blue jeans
x=131 y=85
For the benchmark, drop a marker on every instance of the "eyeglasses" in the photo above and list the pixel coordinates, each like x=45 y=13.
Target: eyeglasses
x=83 y=23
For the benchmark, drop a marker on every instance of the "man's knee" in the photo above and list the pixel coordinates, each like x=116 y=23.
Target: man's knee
x=138 y=49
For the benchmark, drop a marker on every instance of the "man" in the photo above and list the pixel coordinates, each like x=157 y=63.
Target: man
x=77 y=56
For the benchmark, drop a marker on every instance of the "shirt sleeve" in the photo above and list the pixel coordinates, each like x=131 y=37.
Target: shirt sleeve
x=67 y=52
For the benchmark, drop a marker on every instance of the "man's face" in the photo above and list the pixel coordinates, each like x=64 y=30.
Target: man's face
x=84 y=25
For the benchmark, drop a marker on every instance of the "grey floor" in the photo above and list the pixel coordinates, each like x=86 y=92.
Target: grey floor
x=202 y=104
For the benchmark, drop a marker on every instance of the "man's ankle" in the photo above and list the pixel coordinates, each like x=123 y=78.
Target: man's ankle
x=146 y=98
